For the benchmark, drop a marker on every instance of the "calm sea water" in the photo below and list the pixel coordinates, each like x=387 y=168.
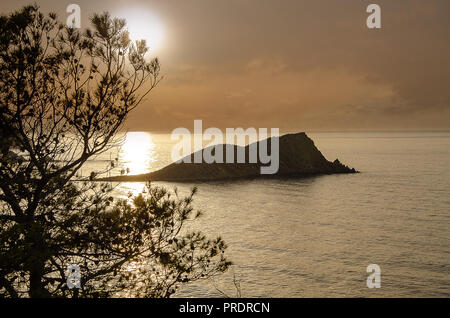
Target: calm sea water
x=315 y=237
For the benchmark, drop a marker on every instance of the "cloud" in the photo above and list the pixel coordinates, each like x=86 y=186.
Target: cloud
x=273 y=66
x=298 y=64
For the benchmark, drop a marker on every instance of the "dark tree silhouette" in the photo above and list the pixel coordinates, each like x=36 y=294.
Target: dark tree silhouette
x=64 y=95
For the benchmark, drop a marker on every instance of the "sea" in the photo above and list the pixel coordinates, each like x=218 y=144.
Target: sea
x=317 y=236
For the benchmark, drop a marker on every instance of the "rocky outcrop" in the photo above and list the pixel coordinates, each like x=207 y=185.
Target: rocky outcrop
x=298 y=156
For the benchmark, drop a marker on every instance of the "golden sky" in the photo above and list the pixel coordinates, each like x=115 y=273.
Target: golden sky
x=291 y=64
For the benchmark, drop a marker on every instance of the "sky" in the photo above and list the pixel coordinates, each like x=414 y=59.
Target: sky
x=291 y=64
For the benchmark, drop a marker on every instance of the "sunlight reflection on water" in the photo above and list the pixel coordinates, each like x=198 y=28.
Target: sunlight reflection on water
x=137 y=152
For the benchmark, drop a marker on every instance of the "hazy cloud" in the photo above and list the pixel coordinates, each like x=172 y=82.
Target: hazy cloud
x=295 y=64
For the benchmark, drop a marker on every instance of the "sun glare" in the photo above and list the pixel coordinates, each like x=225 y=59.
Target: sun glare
x=142 y=24
x=137 y=152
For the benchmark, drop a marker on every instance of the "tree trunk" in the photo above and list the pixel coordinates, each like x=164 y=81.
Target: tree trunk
x=37 y=264
x=37 y=289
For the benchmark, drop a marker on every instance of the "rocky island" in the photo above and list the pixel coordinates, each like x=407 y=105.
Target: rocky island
x=298 y=157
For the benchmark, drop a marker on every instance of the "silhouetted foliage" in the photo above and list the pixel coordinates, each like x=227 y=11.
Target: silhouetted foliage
x=64 y=95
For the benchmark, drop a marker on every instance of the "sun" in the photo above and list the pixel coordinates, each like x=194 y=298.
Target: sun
x=144 y=25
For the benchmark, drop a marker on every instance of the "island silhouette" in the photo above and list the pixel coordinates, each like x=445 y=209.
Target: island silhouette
x=298 y=157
